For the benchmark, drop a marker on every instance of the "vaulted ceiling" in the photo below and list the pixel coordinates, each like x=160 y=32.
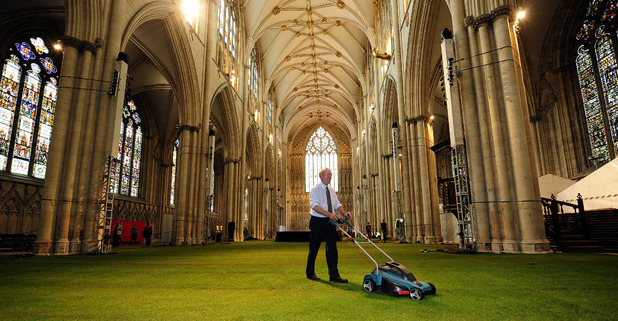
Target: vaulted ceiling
x=314 y=56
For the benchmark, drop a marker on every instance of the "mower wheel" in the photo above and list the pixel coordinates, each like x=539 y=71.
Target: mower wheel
x=369 y=285
x=416 y=293
x=432 y=290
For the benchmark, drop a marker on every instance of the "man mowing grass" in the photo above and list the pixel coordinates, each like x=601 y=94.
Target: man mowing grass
x=321 y=199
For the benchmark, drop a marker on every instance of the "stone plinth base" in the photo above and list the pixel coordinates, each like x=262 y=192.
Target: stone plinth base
x=42 y=248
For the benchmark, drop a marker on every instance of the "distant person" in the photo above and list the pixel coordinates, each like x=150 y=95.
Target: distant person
x=323 y=201
x=383 y=227
x=368 y=230
x=147 y=233
x=117 y=234
x=245 y=233
x=134 y=232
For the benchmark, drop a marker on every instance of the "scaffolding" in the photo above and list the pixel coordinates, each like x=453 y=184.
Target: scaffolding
x=106 y=206
x=462 y=194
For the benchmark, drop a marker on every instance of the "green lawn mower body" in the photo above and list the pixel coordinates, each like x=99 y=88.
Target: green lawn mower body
x=396 y=280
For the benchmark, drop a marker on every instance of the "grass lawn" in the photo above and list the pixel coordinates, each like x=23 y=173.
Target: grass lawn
x=264 y=280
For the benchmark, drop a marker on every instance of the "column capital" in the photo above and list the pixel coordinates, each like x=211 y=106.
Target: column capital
x=504 y=10
x=419 y=118
x=71 y=42
x=482 y=19
x=231 y=160
x=82 y=45
x=468 y=21
x=189 y=128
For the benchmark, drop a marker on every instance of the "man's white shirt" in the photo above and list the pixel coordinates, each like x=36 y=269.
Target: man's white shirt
x=317 y=196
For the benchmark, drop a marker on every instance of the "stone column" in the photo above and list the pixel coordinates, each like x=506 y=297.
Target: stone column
x=183 y=172
x=474 y=153
x=528 y=201
x=489 y=236
x=53 y=177
x=85 y=184
x=433 y=186
x=424 y=183
x=507 y=224
x=104 y=125
x=414 y=159
x=70 y=165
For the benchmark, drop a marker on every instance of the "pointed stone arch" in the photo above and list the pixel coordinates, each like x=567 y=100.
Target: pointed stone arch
x=223 y=114
x=253 y=151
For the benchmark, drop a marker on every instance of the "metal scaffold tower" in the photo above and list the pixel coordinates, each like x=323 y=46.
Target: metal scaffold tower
x=458 y=146
x=462 y=194
x=106 y=206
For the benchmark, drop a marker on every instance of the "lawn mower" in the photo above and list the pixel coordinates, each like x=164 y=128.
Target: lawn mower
x=391 y=278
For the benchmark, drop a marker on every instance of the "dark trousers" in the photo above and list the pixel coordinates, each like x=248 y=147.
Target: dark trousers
x=323 y=230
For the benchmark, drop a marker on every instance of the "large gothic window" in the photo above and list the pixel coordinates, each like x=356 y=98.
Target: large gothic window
x=254 y=75
x=385 y=29
x=228 y=24
x=129 y=151
x=597 y=69
x=228 y=37
x=27 y=103
x=321 y=152
x=174 y=158
x=269 y=109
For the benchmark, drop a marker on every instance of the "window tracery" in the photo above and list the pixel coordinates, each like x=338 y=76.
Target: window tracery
x=28 y=97
x=321 y=152
x=228 y=37
x=597 y=70
x=174 y=158
x=129 y=152
x=269 y=109
x=254 y=74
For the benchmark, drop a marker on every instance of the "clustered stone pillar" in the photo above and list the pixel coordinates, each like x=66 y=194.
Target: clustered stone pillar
x=507 y=208
x=81 y=131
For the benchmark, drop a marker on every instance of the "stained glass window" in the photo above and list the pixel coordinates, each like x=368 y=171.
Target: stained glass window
x=227 y=24
x=597 y=70
x=321 y=152
x=174 y=157
x=27 y=104
x=254 y=75
x=269 y=109
x=129 y=152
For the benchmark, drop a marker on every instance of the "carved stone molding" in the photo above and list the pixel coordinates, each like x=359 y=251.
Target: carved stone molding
x=482 y=19
x=189 y=128
x=82 y=45
x=227 y=160
x=468 y=21
x=89 y=46
x=71 y=42
x=99 y=43
x=419 y=118
x=504 y=10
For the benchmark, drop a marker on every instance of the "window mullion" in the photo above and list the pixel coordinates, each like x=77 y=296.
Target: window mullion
x=602 y=99
x=37 y=120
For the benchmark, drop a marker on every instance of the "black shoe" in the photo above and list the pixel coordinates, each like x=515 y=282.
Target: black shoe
x=314 y=278
x=339 y=280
